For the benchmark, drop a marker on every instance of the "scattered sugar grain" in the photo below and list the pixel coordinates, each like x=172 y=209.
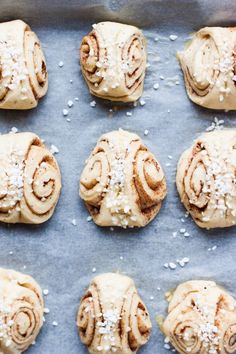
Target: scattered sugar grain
x=54 y=149
x=74 y=222
x=156 y=86
x=173 y=37
x=172 y=265
x=212 y=248
x=93 y=104
x=65 y=112
x=14 y=130
x=217 y=124
x=142 y=102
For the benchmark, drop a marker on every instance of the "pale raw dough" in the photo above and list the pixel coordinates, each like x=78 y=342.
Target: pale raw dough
x=208 y=64
x=113 y=61
x=24 y=78
x=30 y=180
x=21 y=315
x=122 y=182
x=201 y=319
x=112 y=318
x=206 y=179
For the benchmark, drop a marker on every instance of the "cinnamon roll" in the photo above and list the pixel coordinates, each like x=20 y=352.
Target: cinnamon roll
x=23 y=72
x=208 y=64
x=206 y=179
x=122 y=183
x=112 y=317
x=113 y=61
x=201 y=319
x=30 y=179
x=21 y=311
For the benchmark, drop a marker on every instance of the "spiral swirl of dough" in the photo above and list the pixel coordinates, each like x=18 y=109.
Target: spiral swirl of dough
x=201 y=319
x=112 y=316
x=229 y=340
x=134 y=54
x=135 y=317
x=95 y=175
x=36 y=65
x=148 y=178
x=90 y=54
x=86 y=319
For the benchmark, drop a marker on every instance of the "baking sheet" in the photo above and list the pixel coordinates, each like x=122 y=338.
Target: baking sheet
x=58 y=254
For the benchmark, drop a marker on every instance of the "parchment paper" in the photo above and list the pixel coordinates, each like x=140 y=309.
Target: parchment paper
x=58 y=254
